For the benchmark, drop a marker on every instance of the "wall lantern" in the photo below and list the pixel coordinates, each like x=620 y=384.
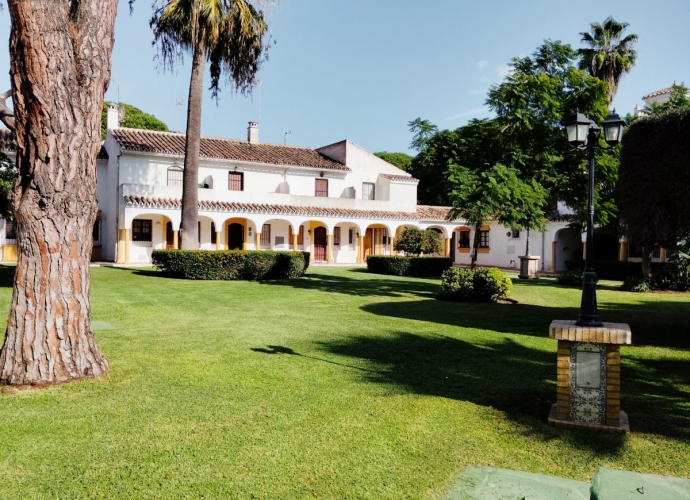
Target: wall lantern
x=320 y=174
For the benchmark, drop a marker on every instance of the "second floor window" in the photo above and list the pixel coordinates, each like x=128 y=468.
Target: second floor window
x=236 y=181
x=368 y=191
x=464 y=239
x=322 y=188
x=175 y=175
x=336 y=236
x=483 y=239
x=265 y=236
x=141 y=230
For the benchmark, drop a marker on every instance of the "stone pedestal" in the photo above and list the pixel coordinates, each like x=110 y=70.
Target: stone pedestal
x=589 y=376
x=529 y=267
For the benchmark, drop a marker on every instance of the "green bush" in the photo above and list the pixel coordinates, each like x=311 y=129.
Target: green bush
x=490 y=284
x=230 y=264
x=635 y=284
x=397 y=265
x=673 y=275
x=458 y=282
x=484 y=284
x=571 y=278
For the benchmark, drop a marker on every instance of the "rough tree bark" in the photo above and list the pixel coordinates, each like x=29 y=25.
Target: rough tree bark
x=60 y=68
x=190 y=182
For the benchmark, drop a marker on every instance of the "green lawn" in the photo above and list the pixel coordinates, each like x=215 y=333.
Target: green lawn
x=338 y=385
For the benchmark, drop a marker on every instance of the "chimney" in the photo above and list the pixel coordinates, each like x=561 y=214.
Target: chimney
x=113 y=120
x=253 y=133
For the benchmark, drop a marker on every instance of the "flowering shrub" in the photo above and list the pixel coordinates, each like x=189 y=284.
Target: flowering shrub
x=415 y=241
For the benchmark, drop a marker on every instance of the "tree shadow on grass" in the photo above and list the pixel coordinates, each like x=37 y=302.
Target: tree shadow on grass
x=507 y=376
x=385 y=287
x=7 y=276
x=655 y=323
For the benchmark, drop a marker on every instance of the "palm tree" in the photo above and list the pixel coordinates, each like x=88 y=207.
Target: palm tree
x=230 y=35
x=608 y=55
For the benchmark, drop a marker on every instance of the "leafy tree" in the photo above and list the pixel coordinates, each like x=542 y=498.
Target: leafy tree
x=415 y=241
x=422 y=131
x=495 y=192
x=652 y=192
x=59 y=68
x=609 y=55
x=430 y=166
x=8 y=172
x=531 y=104
x=134 y=118
x=230 y=35
x=401 y=160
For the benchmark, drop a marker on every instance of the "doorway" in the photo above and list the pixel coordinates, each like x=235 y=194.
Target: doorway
x=235 y=236
x=320 y=242
x=169 y=236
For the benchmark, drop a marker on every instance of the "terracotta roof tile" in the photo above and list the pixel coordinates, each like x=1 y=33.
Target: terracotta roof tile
x=400 y=178
x=423 y=212
x=225 y=149
x=657 y=93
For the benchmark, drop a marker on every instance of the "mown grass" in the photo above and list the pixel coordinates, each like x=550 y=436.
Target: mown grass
x=338 y=385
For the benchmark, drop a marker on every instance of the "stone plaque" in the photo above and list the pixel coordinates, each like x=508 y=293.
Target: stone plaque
x=588 y=369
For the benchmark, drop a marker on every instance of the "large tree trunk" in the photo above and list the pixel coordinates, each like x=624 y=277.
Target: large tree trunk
x=60 y=69
x=190 y=183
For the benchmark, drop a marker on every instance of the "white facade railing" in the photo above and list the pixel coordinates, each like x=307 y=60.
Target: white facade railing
x=269 y=198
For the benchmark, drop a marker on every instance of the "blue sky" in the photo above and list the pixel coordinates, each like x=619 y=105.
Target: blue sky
x=361 y=69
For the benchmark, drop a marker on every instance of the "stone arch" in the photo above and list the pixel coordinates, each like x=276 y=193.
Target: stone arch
x=567 y=245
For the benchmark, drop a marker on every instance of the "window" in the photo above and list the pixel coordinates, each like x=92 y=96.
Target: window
x=464 y=239
x=515 y=234
x=483 y=239
x=322 y=188
x=10 y=230
x=336 y=236
x=175 y=175
x=368 y=190
x=97 y=233
x=214 y=236
x=265 y=235
x=351 y=236
x=198 y=231
x=300 y=236
x=236 y=181
x=141 y=230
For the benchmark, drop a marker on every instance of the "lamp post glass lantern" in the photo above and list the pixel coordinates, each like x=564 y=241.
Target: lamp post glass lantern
x=583 y=132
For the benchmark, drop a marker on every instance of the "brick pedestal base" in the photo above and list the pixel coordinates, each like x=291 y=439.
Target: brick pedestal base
x=594 y=404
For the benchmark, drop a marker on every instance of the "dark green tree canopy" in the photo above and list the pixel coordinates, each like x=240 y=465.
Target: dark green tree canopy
x=401 y=160
x=526 y=138
x=134 y=118
x=652 y=192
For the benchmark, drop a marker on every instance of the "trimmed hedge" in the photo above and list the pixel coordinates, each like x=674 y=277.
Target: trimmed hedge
x=615 y=269
x=230 y=264
x=398 y=265
x=484 y=284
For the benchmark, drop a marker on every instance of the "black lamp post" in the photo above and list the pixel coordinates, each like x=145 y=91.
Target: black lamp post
x=584 y=133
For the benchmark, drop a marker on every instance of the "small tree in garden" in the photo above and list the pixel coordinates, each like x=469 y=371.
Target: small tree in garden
x=415 y=241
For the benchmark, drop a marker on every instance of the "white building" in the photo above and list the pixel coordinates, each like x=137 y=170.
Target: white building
x=339 y=202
